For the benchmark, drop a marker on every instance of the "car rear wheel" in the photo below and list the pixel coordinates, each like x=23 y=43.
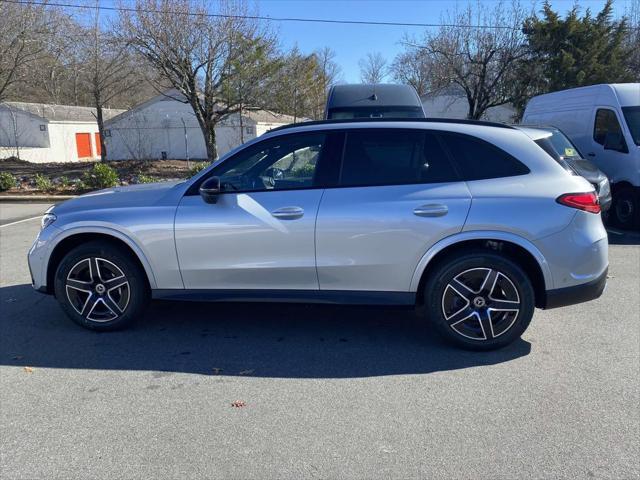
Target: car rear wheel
x=480 y=300
x=100 y=286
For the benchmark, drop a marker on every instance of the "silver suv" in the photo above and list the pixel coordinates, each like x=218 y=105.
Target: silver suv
x=473 y=221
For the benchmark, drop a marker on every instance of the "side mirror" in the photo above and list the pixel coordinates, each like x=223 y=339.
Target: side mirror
x=210 y=189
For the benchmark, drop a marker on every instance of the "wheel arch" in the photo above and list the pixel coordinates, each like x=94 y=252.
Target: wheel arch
x=72 y=239
x=514 y=247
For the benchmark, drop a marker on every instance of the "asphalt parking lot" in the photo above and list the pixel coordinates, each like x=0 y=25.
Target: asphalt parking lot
x=324 y=391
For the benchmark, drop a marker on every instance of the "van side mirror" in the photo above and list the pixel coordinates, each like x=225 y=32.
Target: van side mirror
x=210 y=189
x=615 y=141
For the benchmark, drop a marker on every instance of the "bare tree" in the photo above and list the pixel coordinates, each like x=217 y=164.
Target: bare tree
x=373 y=68
x=327 y=74
x=633 y=38
x=110 y=72
x=22 y=27
x=198 y=54
x=412 y=67
x=485 y=63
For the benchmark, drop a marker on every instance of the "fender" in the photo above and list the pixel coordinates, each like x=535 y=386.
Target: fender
x=482 y=235
x=109 y=231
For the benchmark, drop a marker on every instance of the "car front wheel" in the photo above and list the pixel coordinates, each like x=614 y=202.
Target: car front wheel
x=101 y=287
x=480 y=300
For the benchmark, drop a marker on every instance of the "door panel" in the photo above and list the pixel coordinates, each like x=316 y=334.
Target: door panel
x=372 y=238
x=83 y=145
x=253 y=240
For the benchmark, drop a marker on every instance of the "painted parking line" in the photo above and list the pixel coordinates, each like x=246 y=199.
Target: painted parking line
x=20 y=221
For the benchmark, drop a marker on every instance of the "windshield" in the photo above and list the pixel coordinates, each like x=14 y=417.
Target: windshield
x=375 y=112
x=632 y=116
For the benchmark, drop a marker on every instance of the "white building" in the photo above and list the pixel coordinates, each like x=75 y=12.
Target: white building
x=164 y=127
x=452 y=105
x=40 y=133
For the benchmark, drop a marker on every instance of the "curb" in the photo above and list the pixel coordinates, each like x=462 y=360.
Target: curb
x=34 y=198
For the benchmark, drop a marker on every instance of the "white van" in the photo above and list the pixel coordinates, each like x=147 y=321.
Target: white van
x=604 y=123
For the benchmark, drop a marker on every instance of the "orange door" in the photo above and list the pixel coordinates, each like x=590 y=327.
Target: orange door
x=98 y=146
x=83 y=145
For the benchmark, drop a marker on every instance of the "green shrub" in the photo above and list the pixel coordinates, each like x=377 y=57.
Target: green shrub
x=7 y=181
x=43 y=183
x=63 y=182
x=100 y=176
x=142 y=178
x=198 y=167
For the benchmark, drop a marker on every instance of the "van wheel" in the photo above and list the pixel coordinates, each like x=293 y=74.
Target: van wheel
x=100 y=287
x=479 y=301
x=625 y=210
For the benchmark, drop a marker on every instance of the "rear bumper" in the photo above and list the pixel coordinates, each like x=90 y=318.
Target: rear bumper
x=561 y=297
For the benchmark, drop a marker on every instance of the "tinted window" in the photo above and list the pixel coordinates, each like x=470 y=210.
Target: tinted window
x=607 y=131
x=283 y=163
x=394 y=157
x=375 y=112
x=632 y=116
x=479 y=160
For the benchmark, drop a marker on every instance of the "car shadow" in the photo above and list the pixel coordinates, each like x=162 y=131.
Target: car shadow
x=623 y=237
x=252 y=339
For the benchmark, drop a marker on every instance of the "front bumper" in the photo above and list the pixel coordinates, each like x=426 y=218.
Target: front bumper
x=561 y=297
x=38 y=258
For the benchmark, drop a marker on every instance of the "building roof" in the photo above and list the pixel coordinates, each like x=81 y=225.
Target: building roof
x=267 y=116
x=62 y=113
x=255 y=114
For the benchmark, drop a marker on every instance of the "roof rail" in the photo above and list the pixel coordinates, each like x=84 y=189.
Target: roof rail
x=379 y=120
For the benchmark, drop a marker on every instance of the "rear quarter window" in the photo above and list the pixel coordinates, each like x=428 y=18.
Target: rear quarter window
x=477 y=159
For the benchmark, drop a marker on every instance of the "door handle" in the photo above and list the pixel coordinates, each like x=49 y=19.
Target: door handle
x=288 y=213
x=431 y=210
x=591 y=154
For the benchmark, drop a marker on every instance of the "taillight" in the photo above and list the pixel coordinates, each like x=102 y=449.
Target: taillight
x=582 y=201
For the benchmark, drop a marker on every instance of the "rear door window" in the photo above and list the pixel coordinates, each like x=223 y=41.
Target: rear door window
x=394 y=157
x=479 y=160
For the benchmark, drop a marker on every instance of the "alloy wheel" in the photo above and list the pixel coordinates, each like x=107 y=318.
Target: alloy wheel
x=481 y=303
x=97 y=289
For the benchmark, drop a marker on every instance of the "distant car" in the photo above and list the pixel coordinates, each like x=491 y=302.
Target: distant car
x=561 y=149
x=604 y=122
x=373 y=101
x=471 y=220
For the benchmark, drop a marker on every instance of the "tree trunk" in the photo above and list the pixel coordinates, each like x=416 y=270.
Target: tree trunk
x=100 y=120
x=209 y=132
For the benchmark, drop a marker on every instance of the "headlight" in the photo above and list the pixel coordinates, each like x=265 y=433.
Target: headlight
x=47 y=219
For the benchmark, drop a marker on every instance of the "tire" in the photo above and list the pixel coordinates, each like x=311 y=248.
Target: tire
x=463 y=289
x=101 y=287
x=625 y=209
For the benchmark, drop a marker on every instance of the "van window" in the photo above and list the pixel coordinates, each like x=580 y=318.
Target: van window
x=607 y=126
x=479 y=160
x=632 y=116
x=345 y=113
x=394 y=157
